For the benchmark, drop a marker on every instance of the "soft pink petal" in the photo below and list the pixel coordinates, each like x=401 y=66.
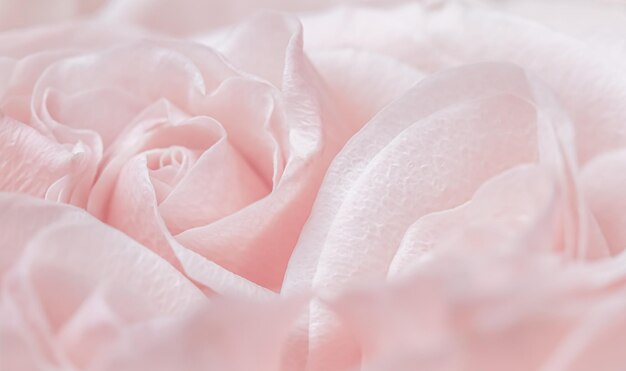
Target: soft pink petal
x=220 y=183
x=362 y=82
x=59 y=267
x=426 y=98
x=499 y=216
x=424 y=153
x=106 y=76
x=225 y=335
x=603 y=182
x=507 y=311
x=31 y=163
x=250 y=112
x=134 y=210
x=396 y=32
x=588 y=81
x=310 y=139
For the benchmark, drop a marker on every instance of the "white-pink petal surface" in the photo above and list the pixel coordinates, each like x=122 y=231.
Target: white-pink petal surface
x=300 y=186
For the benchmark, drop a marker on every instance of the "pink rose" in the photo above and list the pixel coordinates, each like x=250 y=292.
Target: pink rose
x=178 y=144
x=430 y=185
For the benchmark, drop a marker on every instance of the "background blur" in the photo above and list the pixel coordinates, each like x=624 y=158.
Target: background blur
x=193 y=16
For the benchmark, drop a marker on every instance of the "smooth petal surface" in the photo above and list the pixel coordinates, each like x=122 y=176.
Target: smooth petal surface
x=68 y=300
x=58 y=274
x=502 y=214
x=588 y=82
x=419 y=103
x=603 y=181
x=310 y=137
x=229 y=335
x=424 y=154
x=482 y=312
x=329 y=185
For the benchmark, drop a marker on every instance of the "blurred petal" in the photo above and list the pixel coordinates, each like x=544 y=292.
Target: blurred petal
x=603 y=180
x=56 y=269
x=225 y=335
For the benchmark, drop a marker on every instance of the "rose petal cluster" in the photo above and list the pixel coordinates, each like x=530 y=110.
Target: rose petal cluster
x=367 y=185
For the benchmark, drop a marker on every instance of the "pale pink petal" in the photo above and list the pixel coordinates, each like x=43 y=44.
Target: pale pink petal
x=432 y=165
x=225 y=335
x=16 y=353
x=311 y=137
x=397 y=32
x=30 y=162
x=134 y=210
x=427 y=152
x=58 y=268
x=157 y=128
x=589 y=82
x=361 y=82
x=106 y=76
x=250 y=112
x=433 y=94
x=220 y=183
x=458 y=211
x=56 y=248
x=499 y=216
x=506 y=311
x=259 y=46
x=127 y=194
x=603 y=180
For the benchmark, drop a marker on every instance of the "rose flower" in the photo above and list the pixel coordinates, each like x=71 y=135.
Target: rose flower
x=346 y=185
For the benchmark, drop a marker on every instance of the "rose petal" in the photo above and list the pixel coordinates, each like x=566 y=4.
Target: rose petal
x=225 y=335
x=363 y=82
x=219 y=184
x=311 y=139
x=133 y=209
x=499 y=216
x=408 y=153
x=479 y=313
x=429 y=96
x=56 y=264
x=603 y=181
x=588 y=82
x=31 y=163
